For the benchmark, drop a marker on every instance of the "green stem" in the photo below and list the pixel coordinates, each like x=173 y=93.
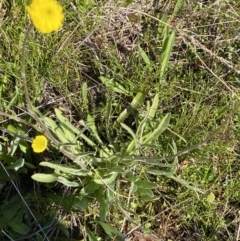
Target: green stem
x=30 y=107
x=23 y=74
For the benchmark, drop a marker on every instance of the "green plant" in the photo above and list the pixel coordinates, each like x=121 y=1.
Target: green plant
x=139 y=138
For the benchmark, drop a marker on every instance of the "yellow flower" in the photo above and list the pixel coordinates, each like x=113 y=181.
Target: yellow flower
x=211 y=197
x=47 y=15
x=39 y=143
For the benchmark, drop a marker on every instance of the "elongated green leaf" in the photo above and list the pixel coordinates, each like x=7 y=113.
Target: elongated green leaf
x=136 y=102
x=145 y=192
x=154 y=107
x=68 y=183
x=167 y=50
x=114 y=86
x=90 y=188
x=14 y=145
x=162 y=25
x=125 y=3
x=112 y=233
x=17 y=165
x=134 y=141
x=160 y=128
x=50 y=123
x=39 y=237
x=93 y=128
x=103 y=210
x=68 y=170
x=18 y=226
x=151 y=161
x=10 y=211
x=91 y=236
x=110 y=194
x=158 y=172
x=133 y=187
x=56 y=129
x=140 y=129
x=187 y=184
x=144 y=56
x=84 y=95
x=13 y=99
x=69 y=125
x=145 y=184
x=45 y=178
x=128 y=214
x=65 y=126
x=83 y=203
x=175 y=162
x=177 y=8
x=107 y=180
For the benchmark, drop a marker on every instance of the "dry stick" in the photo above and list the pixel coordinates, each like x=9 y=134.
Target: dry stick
x=16 y=118
x=30 y=106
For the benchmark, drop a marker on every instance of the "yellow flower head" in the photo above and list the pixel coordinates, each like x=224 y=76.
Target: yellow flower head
x=47 y=15
x=211 y=197
x=39 y=143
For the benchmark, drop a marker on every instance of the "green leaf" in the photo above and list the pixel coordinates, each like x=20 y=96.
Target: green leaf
x=18 y=226
x=84 y=95
x=68 y=183
x=175 y=162
x=68 y=170
x=14 y=145
x=7 y=158
x=114 y=86
x=112 y=232
x=45 y=178
x=187 y=184
x=65 y=126
x=39 y=237
x=17 y=165
x=128 y=214
x=91 y=236
x=125 y=3
x=107 y=180
x=150 y=161
x=166 y=52
x=145 y=184
x=110 y=194
x=144 y=56
x=10 y=210
x=154 y=107
x=176 y=9
x=83 y=203
x=93 y=128
x=90 y=188
x=162 y=25
x=103 y=210
x=145 y=192
x=134 y=142
x=160 y=128
x=56 y=129
x=158 y=172
x=133 y=187
x=136 y=102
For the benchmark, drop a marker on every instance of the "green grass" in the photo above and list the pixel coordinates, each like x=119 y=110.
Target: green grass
x=140 y=106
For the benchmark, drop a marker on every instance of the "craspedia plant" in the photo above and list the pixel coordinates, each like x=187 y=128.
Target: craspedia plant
x=39 y=143
x=47 y=15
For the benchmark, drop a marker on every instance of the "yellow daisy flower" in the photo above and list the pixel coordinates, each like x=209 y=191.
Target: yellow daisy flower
x=47 y=15
x=39 y=143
